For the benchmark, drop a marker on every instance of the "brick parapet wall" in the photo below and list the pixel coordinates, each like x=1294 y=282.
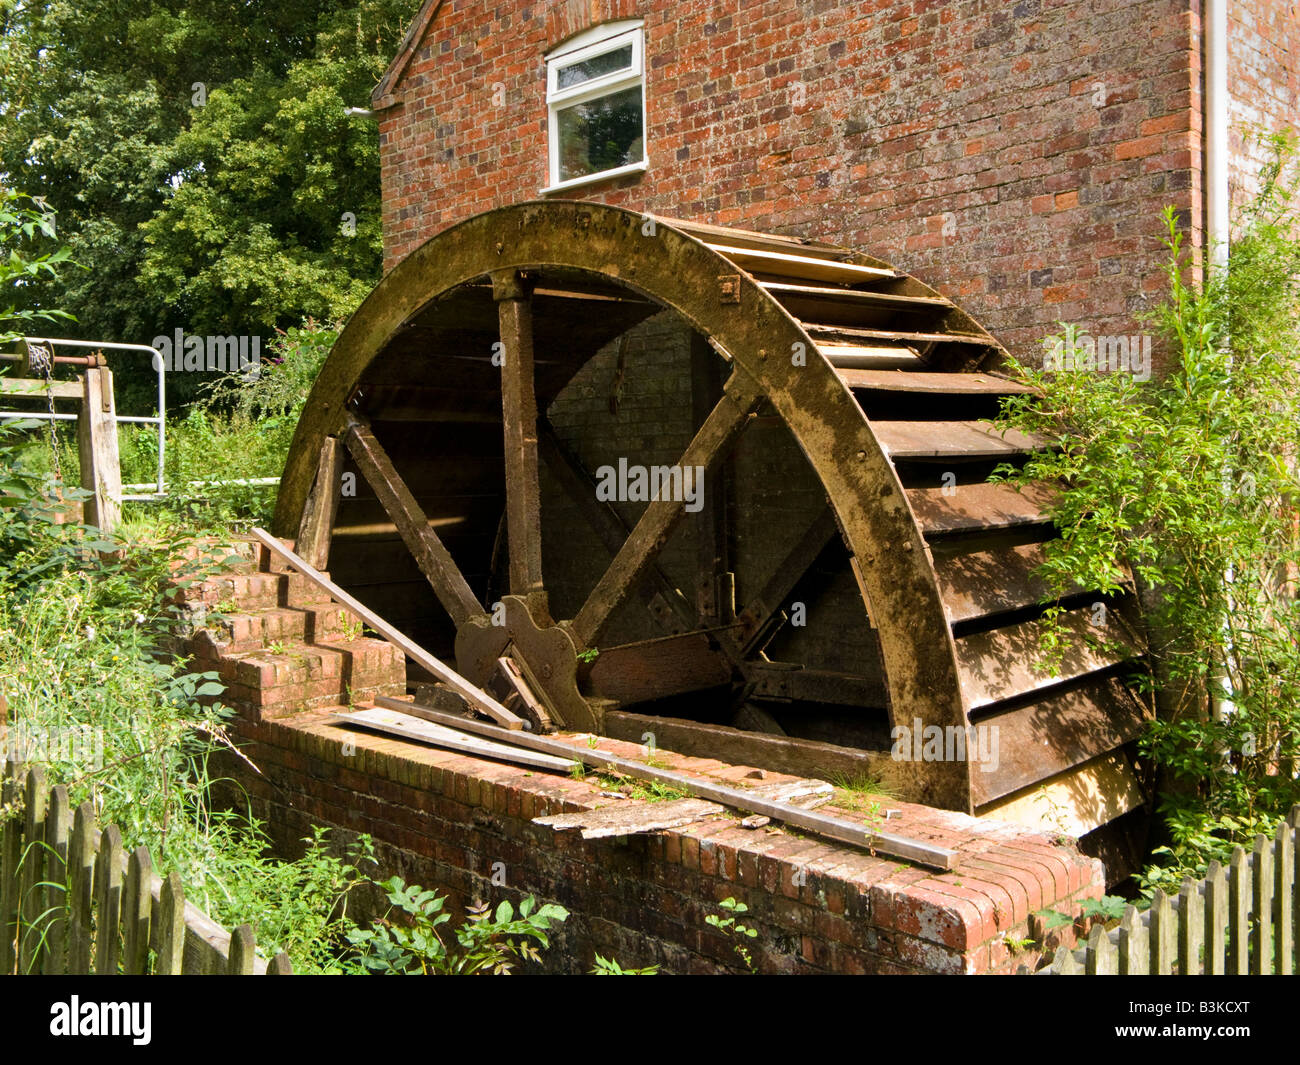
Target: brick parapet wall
x=446 y=820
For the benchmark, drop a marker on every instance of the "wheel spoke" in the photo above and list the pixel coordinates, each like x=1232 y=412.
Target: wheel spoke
x=711 y=442
x=519 y=423
x=431 y=555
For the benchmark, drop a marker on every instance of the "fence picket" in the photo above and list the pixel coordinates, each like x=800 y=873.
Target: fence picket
x=242 y=951
x=1216 y=919
x=169 y=924
x=57 y=819
x=1238 y=914
x=137 y=908
x=1101 y=953
x=1132 y=944
x=280 y=965
x=31 y=904
x=11 y=842
x=1163 y=932
x=1262 y=942
x=108 y=902
x=1189 y=928
x=81 y=885
x=1283 y=902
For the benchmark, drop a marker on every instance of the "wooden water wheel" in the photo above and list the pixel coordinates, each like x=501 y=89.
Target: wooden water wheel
x=841 y=570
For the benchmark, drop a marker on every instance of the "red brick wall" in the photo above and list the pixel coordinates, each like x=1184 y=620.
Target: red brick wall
x=1263 y=81
x=1016 y=155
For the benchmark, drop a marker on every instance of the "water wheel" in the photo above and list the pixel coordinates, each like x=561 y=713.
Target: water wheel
x=841 y=570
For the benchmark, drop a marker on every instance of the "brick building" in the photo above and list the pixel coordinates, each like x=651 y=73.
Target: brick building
x=1014 y=155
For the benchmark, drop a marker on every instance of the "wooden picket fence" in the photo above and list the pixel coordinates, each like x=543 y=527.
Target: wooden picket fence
x=1239 y=921
x=73 y=901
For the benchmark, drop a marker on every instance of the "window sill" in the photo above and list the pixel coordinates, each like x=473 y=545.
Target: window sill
x=591 y=179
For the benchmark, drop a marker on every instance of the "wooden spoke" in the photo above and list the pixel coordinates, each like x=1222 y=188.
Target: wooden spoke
x=660 y=517
x=668 y=606
x=754 y=618
x=433 y=558
x=318 y=516
x=519 y=421
x=711 y=528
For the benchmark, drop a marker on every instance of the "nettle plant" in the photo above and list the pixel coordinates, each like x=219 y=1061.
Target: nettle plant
x=1188 y=482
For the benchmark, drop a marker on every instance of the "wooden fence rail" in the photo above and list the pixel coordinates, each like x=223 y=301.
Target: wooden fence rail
x=73 y=901
x=1236 y=921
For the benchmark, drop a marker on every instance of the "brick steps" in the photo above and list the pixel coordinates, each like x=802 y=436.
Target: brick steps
x=278 y=644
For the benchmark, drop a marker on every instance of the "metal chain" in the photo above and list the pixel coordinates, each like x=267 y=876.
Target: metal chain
x=46 y=367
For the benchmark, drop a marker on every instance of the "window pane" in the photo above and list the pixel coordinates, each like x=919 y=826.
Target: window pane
x=595 y=67
x=601 y=134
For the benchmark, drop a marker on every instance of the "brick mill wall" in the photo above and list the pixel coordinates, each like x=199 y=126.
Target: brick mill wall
x=464 y=826
x=1015 y=155
x=1263 y=82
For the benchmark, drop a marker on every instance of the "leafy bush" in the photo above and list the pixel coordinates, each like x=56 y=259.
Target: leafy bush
x=1189 y=483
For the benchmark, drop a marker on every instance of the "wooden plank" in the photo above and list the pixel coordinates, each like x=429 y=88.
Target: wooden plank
x=101 y=468
x=712 y=548
x=1284 y=901
x=1261 y=869
x=783 y=292
x=870 y=357
x=781 y=754
x=1163 y=932
x=31 y=904
x=653 y=669
x=1216 y=919
x=1239 y=895
x=778 y=680
x=1191 y=923
x=1002 y=663
x=980 y=584
x=1101 y=953
x=243 y=951
x=748 y=238
x=886 y=843
x=964 y=508
x=35 y=387
x=519 y=424
x=477 y=698
x=322 y=507
x=941 y=384
x=432 y=557
x=58 y=819
x=710 y=443
x=11 y=849
x=804 y=267
x=1074 y=802
x=1056 y=733
x=108 y=902
x=168 y=924
x=398 y=718
x=956 y=440
x=632 y=818
x=912 y=337
x=137 y=910
x=81 y=884
x=1133 y=943
x=525 y=689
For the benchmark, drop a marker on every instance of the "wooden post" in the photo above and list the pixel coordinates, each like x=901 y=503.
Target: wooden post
x=1190 y=924
x=32 y=902
x=1216 y=918
x=1162 y=934
x=11 y=843
x=108 y=902
x=322 y=506
x=1101 y=952
x=1262 y=868
x=1284 y=901
x=137 y=909
x=81 y=882
x=242 y=951
x=1134 y=943
x=519 y=423
x=57 y=824
x=101 y=468
x=169 y=924
x=1239 y=914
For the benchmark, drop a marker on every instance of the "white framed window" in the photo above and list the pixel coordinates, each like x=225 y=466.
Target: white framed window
x=595 y=102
